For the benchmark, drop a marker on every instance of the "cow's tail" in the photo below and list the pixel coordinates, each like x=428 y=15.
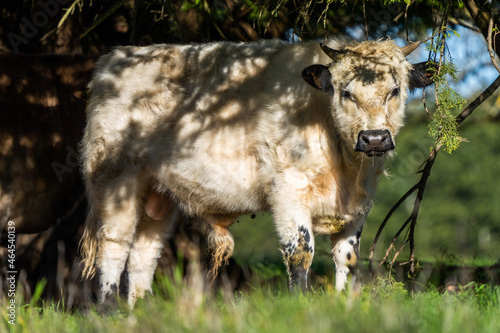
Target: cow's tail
x=221 y=243
x=88 y=246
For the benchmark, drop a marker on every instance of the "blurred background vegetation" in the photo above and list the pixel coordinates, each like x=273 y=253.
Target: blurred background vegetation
x=459 y=220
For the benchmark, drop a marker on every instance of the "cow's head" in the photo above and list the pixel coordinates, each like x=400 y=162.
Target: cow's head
x=368 y=83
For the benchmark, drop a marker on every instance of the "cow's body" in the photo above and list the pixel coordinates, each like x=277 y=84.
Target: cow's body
x=224 y=129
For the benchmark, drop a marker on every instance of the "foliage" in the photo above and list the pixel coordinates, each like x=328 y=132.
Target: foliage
x=387 y=287
x=443 y=127
x=95 y=26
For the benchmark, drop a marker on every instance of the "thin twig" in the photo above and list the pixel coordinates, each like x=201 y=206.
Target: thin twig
x=69 y=11
x=489 y=38
x=495 y=40
x=464 y=24
x=382 y=225
x=434 y=25
x=394 y=239
x=406 y=21
x=393 y=261
x=364 y=16
x=425 y=104
x=323 y=16
x=102 y=17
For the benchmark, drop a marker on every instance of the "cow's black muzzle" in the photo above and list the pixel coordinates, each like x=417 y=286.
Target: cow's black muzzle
x=374 y=142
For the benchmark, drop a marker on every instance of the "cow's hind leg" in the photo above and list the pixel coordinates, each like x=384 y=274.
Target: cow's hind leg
x=116 y=205
x=345 y=250
x=146 y=249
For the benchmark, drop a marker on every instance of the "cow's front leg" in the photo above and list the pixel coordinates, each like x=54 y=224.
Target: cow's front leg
x=294 y=228
x=298 y=251
x=345 y=249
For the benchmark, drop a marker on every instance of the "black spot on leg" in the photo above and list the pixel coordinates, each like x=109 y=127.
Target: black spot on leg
x=290 y=247
x=305 y=234
x=358 y=234
x=288 y=250
x=114 y=289
x=348 y=256
x=351 y=241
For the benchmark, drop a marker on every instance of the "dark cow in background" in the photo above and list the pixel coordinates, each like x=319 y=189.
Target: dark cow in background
x=224 y=129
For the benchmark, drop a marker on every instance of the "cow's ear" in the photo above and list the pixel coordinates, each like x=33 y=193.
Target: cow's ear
x=421 y=75
x=319 y=77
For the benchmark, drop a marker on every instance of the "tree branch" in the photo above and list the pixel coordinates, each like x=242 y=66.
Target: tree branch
x=481 y=15
x=478 y=101
x=416 y=205
x=384 y=222
x=366 y=22
x=489 y=38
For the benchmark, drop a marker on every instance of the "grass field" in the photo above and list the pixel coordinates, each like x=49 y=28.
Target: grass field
x=383 y=306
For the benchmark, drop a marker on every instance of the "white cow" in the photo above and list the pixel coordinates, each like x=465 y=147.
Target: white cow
x=223 y=129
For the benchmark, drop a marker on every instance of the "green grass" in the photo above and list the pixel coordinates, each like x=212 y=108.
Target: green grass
x=381 y=307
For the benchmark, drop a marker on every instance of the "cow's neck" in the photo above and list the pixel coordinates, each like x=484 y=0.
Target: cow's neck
x=357 y=177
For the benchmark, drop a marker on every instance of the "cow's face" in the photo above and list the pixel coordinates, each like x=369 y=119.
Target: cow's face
x=368 y=84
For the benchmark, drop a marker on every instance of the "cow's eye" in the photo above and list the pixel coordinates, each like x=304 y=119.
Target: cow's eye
x=346 y=94
x=395 y=92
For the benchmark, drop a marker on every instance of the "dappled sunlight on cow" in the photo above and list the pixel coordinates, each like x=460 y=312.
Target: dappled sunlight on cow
x=215 y=131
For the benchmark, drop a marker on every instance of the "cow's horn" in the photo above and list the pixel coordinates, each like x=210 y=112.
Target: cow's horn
x=406 y=50
x=334 y=54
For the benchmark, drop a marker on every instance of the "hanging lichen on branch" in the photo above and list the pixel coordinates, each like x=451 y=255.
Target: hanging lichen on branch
x=443 y=127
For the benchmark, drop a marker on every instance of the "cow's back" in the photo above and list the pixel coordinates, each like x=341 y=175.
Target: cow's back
x=135 y=89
